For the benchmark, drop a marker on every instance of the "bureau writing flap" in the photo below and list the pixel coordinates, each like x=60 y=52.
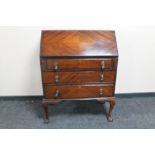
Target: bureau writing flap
x=78 y=43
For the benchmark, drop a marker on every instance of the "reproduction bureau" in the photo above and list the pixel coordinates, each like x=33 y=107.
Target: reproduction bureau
x=78 y=65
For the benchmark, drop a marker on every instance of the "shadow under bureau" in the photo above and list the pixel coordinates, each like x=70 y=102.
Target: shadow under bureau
x=78 y=65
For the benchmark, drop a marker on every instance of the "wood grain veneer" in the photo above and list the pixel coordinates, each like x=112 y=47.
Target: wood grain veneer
x=78 y=65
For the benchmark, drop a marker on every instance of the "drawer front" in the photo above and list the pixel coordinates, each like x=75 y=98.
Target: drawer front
x=78 y=77
x=79 y=64
x=77 y=91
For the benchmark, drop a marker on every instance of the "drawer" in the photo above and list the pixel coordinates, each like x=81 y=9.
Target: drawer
x=78 y=77
x=79 y=64
x=77 y=91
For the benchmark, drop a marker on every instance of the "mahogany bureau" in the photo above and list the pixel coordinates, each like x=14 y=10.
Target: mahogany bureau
x=78 y=65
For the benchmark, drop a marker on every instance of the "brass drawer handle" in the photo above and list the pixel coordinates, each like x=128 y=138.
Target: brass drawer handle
x=101 y=77
x=56 y=77
x=56 y=66
x=102 y=65
x=57 y=93
x=101 y=92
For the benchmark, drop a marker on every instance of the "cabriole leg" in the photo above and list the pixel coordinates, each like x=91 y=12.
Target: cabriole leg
x=45 y=108
x=112 y=104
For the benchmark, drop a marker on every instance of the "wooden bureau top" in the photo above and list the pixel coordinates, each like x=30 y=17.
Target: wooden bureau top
x=81 y=43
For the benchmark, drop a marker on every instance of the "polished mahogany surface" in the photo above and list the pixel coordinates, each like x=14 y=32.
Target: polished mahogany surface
x=78 y=77
x=78 y=91
x=78 y=65
x=78 y=43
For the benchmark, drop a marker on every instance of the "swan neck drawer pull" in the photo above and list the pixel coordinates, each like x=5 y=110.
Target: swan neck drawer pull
x=56 y=66
x=57 y=93
x=101 y=77
x=56 y=77
x=102 y=65
x=101 y=92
